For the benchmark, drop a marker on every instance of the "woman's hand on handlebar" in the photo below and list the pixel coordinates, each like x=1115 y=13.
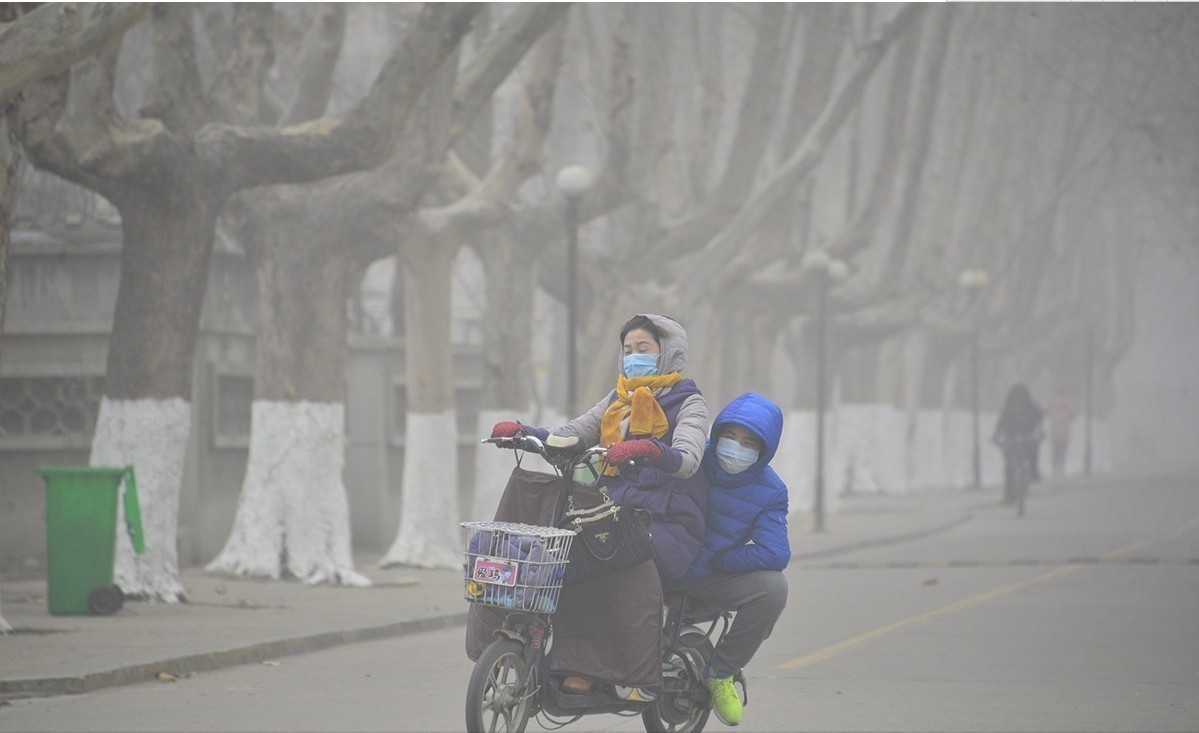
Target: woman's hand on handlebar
x=507 y=429
x=514 y=434
x=638 y=449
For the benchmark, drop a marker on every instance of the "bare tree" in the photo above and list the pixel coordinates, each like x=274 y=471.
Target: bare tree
x=168 y=172
x=428 y=531
x=39 y=43
x=309 y=245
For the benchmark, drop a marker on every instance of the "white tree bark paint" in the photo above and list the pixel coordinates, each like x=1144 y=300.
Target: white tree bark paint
x=492 y=465
x=793 y=461
x=5 y=626
x=293 y=514
x=150 y=435
x=869 y=444
x=1102 y=437
x=429 y=535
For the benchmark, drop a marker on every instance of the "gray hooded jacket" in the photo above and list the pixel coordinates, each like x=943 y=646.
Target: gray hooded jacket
x=691 y=424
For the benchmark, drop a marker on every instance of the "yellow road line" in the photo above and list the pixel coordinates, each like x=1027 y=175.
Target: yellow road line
x=1125 y=549
x=1003 y=590
x=1184 y=529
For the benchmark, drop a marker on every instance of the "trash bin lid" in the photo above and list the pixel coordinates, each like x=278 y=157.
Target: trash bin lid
x=133 y=514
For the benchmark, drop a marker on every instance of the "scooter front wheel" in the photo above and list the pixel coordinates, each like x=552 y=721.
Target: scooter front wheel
x=497 y=697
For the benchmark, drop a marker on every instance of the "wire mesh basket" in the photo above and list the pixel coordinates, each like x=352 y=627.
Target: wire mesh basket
x=516 y=566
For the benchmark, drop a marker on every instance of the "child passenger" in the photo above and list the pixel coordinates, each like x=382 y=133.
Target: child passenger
x=745 y=543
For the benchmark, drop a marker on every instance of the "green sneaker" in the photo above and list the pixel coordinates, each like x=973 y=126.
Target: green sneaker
x=726 y=703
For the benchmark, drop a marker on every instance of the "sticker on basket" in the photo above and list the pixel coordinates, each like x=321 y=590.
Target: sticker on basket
x=494 y=571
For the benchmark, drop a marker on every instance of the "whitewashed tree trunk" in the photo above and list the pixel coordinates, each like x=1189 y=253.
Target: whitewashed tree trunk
x=151 y=435
x=429 y=536
x=5 y=626
x=493 y=465
x=793 y=460
x=317 y=512
x=293 y=514
x=293 y=503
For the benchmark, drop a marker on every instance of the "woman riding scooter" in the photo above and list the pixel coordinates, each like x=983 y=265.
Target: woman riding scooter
x=655 y=425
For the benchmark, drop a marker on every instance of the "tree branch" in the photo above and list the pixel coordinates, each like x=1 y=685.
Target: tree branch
x=803 y=161
x=321 y=47
x=175 y=95
x=757 y=113
x=488 y=204
x=265 y=155
x=499 y=55
x=50 y=38
x=237 y=93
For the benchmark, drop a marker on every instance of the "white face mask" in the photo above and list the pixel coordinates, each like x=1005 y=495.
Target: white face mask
x=734 y=457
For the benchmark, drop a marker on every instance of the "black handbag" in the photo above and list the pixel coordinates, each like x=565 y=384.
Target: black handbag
x=608 y=537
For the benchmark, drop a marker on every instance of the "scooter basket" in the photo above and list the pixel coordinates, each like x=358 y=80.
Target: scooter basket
x=515 y=566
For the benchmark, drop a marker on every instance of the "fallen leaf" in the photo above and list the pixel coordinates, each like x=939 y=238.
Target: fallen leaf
x=931 y=581
x=167 y=677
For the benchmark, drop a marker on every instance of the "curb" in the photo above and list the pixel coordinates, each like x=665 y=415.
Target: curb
x=209 y=661
x=260 y=652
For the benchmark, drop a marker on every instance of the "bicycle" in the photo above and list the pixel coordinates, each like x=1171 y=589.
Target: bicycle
x=510 y=683
x=1018 y=454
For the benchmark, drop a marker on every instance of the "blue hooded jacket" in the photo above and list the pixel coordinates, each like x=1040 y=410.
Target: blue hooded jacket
x=747 y=512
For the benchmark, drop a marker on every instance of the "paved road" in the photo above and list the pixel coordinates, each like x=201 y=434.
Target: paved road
x=1079 y=617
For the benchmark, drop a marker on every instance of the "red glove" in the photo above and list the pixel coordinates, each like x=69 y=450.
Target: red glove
x=506 y=429
x=634 y=450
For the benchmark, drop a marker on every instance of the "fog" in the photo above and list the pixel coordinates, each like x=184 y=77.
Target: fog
x=349 y=221
x=1156 y=417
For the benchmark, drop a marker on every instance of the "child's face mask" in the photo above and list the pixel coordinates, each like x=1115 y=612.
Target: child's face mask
x=734 y=457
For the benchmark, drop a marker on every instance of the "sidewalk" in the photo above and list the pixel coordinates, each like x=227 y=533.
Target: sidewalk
x=229 y=621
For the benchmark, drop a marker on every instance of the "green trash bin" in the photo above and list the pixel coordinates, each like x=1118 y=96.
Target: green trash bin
x=81 y=520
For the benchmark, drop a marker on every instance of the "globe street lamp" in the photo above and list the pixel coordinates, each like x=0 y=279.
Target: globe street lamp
x=828 y=270
x=971 y=281
x=573 y=181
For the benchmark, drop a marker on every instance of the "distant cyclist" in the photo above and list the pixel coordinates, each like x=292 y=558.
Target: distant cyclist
x=1018 y=433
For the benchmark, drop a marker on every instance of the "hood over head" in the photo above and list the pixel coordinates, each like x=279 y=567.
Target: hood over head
x=672 y=341
x=760 y=416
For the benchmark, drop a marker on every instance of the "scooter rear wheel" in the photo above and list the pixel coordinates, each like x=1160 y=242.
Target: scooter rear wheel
x=497 y=697
x=683 y=705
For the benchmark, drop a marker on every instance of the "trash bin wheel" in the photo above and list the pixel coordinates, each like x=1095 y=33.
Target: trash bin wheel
x=105 y=600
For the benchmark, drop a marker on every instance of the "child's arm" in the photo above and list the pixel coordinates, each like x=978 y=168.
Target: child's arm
x=768 y=549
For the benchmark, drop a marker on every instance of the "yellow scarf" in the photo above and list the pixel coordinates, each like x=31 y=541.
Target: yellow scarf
x=635 y=398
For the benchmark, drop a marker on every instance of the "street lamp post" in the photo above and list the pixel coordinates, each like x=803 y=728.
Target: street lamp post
x=829 y=270
x=573 y=181
x=971 y=281
x=1086 y=461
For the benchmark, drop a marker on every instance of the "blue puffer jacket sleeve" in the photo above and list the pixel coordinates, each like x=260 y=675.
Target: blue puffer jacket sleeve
x=768 y=548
